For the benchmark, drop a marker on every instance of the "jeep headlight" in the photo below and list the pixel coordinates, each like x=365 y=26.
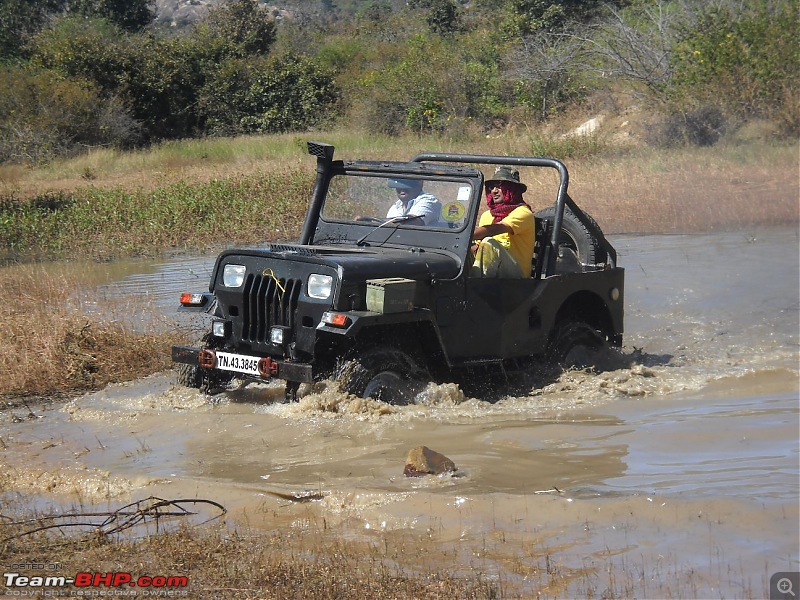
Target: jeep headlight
x=233 y=275
x=320 y=286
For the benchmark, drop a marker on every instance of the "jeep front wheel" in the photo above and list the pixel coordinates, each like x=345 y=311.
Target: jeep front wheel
x=385 y=374
x=190 y=376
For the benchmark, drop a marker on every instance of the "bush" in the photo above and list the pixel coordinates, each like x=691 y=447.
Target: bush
x=19 y=21
x=162 y=79
x=131 y=15
x=433 y=84
x=743 y=61
x=246 y=28
x=163 y=82
x=273 y=95
x=91 y=49
x=702 y=127
x=43 y=115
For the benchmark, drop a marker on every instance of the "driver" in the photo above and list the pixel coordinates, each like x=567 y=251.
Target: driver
x=412 y=201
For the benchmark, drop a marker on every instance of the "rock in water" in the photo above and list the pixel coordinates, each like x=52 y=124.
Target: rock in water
x=424 y=461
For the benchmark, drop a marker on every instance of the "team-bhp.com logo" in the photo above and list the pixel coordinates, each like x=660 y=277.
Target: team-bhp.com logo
x=17 y=581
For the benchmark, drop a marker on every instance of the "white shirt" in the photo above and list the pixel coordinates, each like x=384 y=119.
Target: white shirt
x=425 y=206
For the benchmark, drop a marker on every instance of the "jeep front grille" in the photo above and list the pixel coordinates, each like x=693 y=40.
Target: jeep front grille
x=268 y=301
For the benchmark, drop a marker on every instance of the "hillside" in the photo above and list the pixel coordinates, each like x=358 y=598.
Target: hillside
x=78 y=78
x=183 y=13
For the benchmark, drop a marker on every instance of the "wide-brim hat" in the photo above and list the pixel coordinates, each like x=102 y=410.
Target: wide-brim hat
x=507 y=174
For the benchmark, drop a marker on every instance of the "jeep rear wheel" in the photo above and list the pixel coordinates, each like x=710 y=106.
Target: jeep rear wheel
x=385 y=374
x=576 y=236
x=575 y=344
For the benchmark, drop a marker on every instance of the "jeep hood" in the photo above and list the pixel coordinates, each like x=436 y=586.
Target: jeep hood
x=358 y=264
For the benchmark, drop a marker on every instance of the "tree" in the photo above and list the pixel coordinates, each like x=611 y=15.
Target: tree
x=526 y=17
x=375 y=11
x=20 y=20
x=77 y=47
x=246 y=27
x=268 y=95
x=442 y=16
x=741 y=60
x=43 y=115
x=635 y=45
x=547 y=71
x=131 y=15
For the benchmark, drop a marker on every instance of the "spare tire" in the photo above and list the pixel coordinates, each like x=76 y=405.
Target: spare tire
x=576 y=236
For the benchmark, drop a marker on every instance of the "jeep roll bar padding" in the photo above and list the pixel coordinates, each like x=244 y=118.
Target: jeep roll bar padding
x=563 y=198
x=324 y=154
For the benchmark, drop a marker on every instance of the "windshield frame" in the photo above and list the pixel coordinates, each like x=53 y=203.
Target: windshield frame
x=332 y=229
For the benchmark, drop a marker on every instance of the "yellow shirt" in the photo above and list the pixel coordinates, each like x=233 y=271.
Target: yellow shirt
x=520 y=243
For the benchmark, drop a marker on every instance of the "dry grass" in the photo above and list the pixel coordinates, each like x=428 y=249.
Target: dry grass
x=694 y=191
x=223 y=565
x=224 y=562
x=52 y=347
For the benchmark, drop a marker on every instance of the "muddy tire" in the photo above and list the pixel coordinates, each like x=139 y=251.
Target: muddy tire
x=575 y=236
x=190 y=376
x=209 y=382
x=385 y=374
x=575 y=344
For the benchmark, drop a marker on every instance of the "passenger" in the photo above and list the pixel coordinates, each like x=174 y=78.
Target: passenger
x=504 y=239
x=412 y=201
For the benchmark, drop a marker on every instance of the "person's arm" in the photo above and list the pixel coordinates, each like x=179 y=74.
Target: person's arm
x=484 y=231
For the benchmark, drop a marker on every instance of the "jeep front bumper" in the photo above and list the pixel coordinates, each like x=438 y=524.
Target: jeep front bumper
x=257 y=367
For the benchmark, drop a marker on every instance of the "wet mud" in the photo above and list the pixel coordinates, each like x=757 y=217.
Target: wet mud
x=674 y=471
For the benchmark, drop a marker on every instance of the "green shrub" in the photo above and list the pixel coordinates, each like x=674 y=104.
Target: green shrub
x=273 y=95
x=743 y=62
x=19 y=22
x=83 y=48
x=102 y=223
x=432 y=84
x=131 y=15
x=246 y=27
x=43 y=115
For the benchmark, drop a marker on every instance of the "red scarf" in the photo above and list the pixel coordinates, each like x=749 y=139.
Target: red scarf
x=512 y=198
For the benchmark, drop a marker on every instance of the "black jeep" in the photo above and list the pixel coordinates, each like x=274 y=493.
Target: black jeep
x=384 y=305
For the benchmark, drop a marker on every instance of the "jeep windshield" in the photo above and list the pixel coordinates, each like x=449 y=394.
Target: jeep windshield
x=383 y=202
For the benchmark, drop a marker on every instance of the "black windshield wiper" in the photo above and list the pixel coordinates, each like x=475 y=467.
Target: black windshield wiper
x=399 y=219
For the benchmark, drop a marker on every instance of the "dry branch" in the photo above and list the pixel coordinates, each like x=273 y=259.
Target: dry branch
x=130 y=515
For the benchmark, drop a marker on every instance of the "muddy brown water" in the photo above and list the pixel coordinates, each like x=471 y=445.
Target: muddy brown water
x=674 y=476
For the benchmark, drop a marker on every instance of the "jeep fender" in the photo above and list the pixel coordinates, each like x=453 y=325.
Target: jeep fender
x=413 y=330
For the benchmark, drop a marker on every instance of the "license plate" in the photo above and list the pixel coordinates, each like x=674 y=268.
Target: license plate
x=238 y=363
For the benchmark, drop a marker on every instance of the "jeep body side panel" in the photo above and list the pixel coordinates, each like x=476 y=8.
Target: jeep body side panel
x=484 y=320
